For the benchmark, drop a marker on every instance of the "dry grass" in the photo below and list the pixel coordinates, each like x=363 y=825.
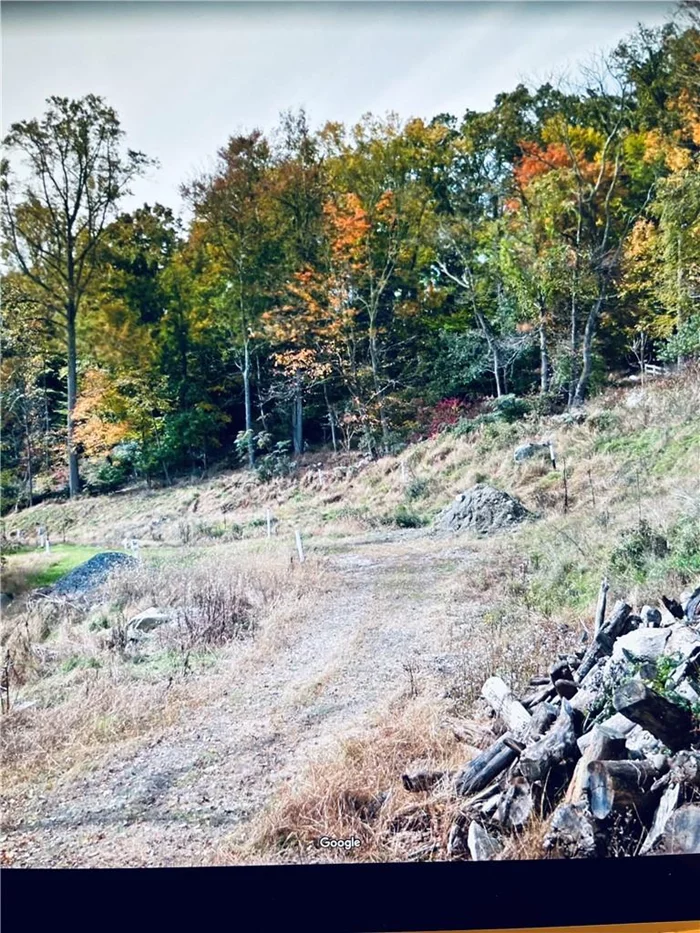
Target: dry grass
x=77 y=691
x=92 y=711
x=527 y=598
x=354 y=789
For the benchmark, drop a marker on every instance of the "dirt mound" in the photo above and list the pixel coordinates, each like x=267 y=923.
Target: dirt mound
x=91 y=574
x=482 y=509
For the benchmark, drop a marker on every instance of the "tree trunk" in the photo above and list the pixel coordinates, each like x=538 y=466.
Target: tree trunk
x=574 y=349
x=261 y=403
x=493 y=349
x=544 y=356
x=483 y=769
x=574 y=310
x=501 y=700
x=374 y=360
x=72 y=393
x=331 y=418
x=556 y=747
x=602 y=746
x=248 y=402
x=298 y=419
x=667 y=721
x=587 y=351
x=612 y=629
x=614 y=784
x=30 y=457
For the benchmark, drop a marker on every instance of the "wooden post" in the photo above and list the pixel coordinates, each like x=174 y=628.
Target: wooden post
x=667 y=721
x=600 y=609
x=483 y=769
x=300 y=546
x=268 y=517
x=556 y=746
x=620 y=784
x=47 y=544
x=499 y=697
x=603 y=642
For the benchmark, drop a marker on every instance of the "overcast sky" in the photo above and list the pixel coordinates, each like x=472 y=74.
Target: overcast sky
x=183 y=76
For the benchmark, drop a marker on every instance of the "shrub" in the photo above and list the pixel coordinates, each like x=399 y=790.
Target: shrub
x=637 y=550
x=406 y=518
x=418 y=488
x=275 y=463
x=106 y=476
x=510 y=408
x=684 y=543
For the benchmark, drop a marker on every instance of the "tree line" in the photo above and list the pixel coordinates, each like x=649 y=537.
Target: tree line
x=353 y=286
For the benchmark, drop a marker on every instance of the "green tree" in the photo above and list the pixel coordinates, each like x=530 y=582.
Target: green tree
x=54 y=214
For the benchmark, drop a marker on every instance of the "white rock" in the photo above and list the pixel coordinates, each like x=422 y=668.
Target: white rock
x=149 y=619
x=682 y=640
x=642 y=742
x=482 y=846
x=685 y=690
x=646 y=644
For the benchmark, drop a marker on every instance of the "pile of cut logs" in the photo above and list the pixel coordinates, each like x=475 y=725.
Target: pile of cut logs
x=605 y=748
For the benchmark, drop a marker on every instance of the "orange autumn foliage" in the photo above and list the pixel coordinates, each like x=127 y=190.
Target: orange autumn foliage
x=95 y=429
x=537 y=161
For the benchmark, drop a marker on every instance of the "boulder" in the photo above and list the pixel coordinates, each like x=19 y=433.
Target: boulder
x=641 y=743
x=148 y=620
x=682 y=832
x=533 y=449
x=482 y=846
x=483 y=510
x=643 y=644
x=682 y=640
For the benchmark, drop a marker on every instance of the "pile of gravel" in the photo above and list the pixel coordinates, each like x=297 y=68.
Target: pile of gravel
x=482 y=509
x=91 y=574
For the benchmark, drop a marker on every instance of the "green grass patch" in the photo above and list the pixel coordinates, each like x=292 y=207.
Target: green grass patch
x=561 y=584
x=76 y=661
x=30 y=568
x=170 y=662
x=661 y=448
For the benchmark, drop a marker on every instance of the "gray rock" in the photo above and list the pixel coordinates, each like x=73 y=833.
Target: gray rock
x=482 y=846
x=644 y=644
x=91 y=574
x=617 y=727
x=682 y=832
x=148 y=620
x=687 y=691
x=651 y=617
x=571 y=833
x=682 y=640
x=482 y=509
x=528 y=451
x=642 y=743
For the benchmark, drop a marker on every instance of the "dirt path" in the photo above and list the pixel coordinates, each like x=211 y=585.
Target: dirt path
x=169 y=800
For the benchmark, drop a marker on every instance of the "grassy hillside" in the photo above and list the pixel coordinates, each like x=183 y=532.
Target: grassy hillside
x=386 y=622
x=633 y=461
